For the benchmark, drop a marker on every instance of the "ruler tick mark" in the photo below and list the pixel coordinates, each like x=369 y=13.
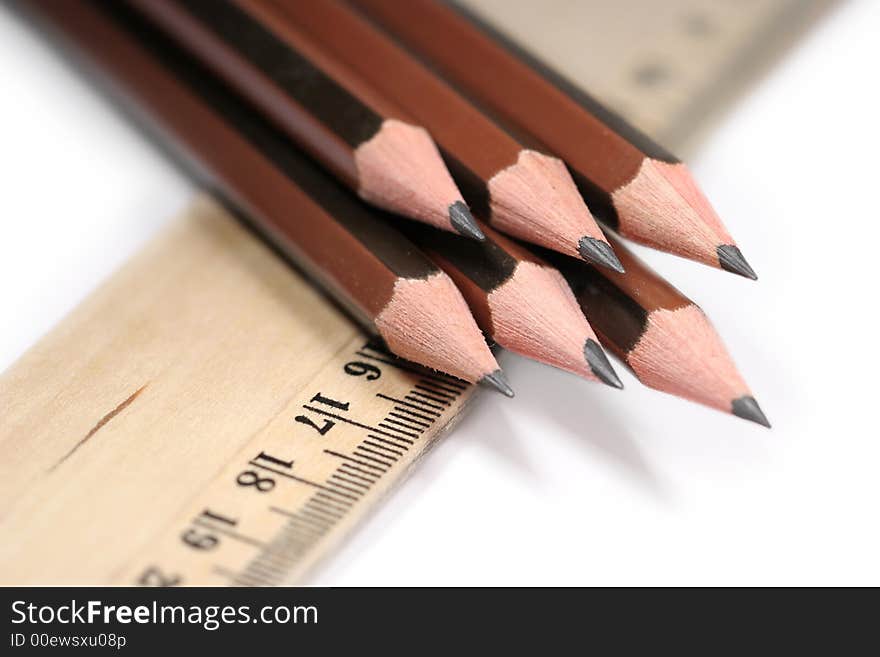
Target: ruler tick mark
x=403 y=403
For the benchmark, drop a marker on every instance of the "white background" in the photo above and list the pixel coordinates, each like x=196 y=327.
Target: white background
x=571 y=483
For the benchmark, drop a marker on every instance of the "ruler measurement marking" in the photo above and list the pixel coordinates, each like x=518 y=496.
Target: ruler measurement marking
x=340 y=487
x=354 y=460
x=290 y=476
x=291 y=514
x=431 y=397
x=320 y=511
x=403 y=403
x=397 y=443
x=440 y=395
x=428 y=420
x=326 y=507
x=294 y=522
x=332 y=499
x=349 y=481
x=408 y=415
x=317 y=516
x=390 y=450
x=398 y=430
x=350 y=470
x=378 y=454
x=416 y=425
x=455 y=392
x=249 y=540
x=308 y=522
x=346 y=420
x=372 y=458
x=416 y=400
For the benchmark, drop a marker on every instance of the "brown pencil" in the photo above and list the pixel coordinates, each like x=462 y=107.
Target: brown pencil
x=630 y=183
x=520 y=301
x=519 y=190
x=361 y=139
x=381 y=277
x=664 y=337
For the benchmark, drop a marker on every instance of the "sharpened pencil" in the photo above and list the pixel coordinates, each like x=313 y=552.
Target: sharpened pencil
x=519 y=190
x=520 y=301
x=630 y=183
x=378 y=275
x=664 y=337
x=388 y=161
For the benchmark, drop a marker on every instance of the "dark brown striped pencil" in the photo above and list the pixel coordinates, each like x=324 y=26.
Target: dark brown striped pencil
x=519 y=190
x=630 y=183
x=520 y=301
x=380 y=276
x=664 y=337
x=360 y=138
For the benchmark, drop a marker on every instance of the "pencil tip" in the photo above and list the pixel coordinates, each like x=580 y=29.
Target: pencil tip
x=731 y=259
x=496 y=380
x=463 y=221
x=599 y=365
x=747 y=408
x=599 y=252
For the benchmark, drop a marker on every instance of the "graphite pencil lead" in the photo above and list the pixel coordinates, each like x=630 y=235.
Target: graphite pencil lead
x=747 y=408
x=463 y=221
x=600 y=253
x=599 y=364
x=731 y=259
x=497 y=380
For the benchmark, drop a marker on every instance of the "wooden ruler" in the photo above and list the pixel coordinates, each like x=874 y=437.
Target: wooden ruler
x=204 y=417
x=207 y=417
x=670 y=67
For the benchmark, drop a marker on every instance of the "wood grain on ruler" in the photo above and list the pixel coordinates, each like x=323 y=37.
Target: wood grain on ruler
x=129 y=411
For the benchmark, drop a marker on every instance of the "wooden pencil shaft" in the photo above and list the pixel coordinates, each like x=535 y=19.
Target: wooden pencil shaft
x=466 y=136
x=282 y=82
x=249 y=160
x=316 y=102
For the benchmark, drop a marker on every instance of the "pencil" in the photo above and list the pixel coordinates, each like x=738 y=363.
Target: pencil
x=663 y=337
x=378 y=275
x=388 y=161
x=520 y=301
x=630 y=183
x=517 y=189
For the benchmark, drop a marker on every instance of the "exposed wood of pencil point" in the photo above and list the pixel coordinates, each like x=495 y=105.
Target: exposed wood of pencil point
x=522 y=303
x=540 y=183
x=630 y=182
x=663 y=208
x=429 y=316
x=526 y=193
x=390 y=163
x=664 y=337
x=400 y=169
x=681 y=353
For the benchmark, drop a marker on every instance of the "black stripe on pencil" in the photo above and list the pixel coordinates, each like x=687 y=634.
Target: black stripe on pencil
x=388 y=161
